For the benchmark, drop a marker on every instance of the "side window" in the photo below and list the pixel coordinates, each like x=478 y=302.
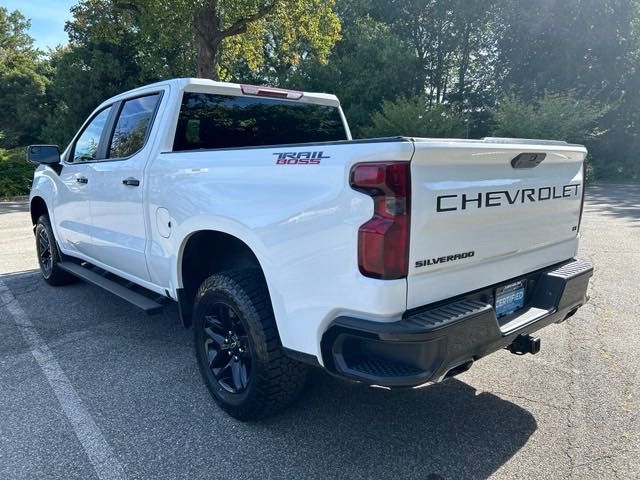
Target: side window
x=132 y=126
x=86 y=147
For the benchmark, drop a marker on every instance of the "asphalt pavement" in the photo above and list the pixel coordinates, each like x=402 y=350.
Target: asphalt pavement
x=92 y=388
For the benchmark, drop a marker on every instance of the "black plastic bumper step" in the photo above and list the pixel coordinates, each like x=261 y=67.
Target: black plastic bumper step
x=385 y=368
x=147 y=304
x=442 y=340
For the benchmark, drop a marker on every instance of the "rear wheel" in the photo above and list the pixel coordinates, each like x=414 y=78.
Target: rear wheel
x=48 y=254
x=238 y=348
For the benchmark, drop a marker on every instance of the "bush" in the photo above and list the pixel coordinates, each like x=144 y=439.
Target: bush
x=555 y=116
x=15 y=173
x=410 y=117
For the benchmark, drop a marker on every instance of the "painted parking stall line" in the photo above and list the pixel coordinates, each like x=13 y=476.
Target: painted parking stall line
x=104 y=462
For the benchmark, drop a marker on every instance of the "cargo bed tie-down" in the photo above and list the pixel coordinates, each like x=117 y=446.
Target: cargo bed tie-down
x=439 y=341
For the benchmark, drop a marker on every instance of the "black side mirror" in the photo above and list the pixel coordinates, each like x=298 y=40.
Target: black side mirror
x=43 y=154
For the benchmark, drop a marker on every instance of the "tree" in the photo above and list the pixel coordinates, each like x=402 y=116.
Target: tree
x=411 y=117
x=16 y=175
x=257 y=30
x=428 y=67
x=555 y=117
x=154 y=33
x=579 y=45
x=590 y=47
x=86 y=74
x=358 y=71
x=107 y=54
x=254 y=30
x=22 y=82
x=453 y=43
x=615 y=154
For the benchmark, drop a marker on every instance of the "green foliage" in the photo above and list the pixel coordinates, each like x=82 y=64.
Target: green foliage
x=84 y=77
x=22 y=82
x=292 y=30
x=226 y=35
x=453 y=43
x=436 y=68
x=102 y=60
x=580 y=45
x=358 y=71
x=15 y=173
x=119 y=45
x=554 y=116
x=156 y=34
x=410 y=117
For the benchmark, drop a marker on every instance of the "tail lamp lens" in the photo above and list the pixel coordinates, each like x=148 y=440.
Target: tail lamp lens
x=383 y=241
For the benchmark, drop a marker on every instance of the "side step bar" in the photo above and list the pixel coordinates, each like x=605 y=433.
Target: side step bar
x=147 y=304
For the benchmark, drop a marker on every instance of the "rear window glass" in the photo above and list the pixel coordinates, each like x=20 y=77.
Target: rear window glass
x=132 y=126
x=220 y=121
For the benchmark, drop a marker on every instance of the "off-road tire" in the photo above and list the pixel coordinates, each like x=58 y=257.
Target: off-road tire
x=51 y=272
x=274 y=380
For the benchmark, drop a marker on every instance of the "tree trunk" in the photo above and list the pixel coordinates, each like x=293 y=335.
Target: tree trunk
x=208 y=39
x=440 y=58
x=207 y=66
x=464 y=62
x=210 y=34
x=421 y=62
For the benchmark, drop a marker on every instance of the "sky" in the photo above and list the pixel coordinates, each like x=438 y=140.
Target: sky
x=47 y=19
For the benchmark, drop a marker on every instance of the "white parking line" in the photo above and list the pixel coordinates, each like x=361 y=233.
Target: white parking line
x=104 y=462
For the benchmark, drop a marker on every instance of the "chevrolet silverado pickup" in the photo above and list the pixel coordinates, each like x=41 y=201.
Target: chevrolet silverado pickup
x=394 y=262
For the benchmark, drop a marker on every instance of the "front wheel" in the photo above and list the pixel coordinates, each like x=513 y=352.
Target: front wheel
x=238 y=348
x=48 y=254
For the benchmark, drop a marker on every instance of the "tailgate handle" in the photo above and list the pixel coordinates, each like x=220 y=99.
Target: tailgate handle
x=528 y=160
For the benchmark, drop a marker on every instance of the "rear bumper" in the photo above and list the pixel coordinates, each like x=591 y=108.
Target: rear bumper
x=440 y=340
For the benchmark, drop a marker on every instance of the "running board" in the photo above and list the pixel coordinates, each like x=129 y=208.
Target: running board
x=147 y=304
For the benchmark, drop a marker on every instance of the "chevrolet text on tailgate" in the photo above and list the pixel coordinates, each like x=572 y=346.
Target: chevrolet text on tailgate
x=392 y=261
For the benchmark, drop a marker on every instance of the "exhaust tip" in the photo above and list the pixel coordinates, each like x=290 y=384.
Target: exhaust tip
x=463 y=367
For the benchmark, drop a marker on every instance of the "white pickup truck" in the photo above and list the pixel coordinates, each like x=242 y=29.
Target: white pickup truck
x=394 y=261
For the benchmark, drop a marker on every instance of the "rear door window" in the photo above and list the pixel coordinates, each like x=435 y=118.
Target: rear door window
x=209 y=121
x=132 y=127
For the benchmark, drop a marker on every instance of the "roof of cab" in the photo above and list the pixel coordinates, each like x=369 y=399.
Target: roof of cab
x=223 y=88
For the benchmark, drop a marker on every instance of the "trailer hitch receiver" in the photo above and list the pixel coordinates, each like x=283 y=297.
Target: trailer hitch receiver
x=525 y=344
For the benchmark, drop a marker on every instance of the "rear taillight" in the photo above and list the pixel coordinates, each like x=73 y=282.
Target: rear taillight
x=383 y=241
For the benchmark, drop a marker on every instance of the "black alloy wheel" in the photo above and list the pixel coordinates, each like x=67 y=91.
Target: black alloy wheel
x=48 y=254
x=238 y=349
x=227 y=347
x=45 y=258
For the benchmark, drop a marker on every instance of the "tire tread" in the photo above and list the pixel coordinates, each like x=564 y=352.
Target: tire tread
x=58 y=276
x=283 y=379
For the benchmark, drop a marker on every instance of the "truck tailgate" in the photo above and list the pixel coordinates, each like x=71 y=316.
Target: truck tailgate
x=481 y=213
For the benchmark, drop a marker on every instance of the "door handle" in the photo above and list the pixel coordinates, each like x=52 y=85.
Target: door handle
x=131 y=182
x=82 y=180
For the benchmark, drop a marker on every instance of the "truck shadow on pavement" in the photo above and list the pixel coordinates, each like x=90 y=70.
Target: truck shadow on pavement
x=138 y=376
x=447 y=430
x=622 y=201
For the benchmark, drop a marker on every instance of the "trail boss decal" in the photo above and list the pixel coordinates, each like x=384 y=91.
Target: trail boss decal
x=500 y=198
x=299 y=158
x=448 y=258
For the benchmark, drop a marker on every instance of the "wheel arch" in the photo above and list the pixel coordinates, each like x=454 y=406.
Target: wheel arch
x=204 y=253
x=37 y=207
